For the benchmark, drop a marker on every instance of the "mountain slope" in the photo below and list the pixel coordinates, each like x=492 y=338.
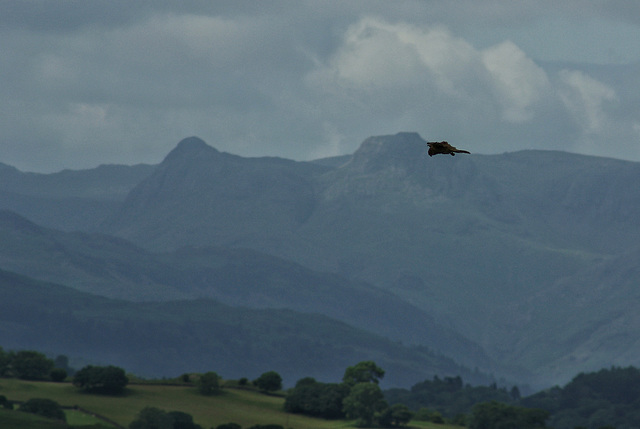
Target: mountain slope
x=214 y=198
x=68 y=200
x=115 y=268
x=170 y=338
x=472 y=240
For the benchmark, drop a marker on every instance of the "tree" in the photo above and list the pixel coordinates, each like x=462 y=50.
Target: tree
x=5 y=361
x=155 y=418
x=45 y=408
x=312 y=398
x=363 y=402
x=182 y=420
x=152 y=418
x=101 y=379
x=363 y=372
x=209 y=383
x=496 y=415
x=31 y=365
x=229 y=426
x=58 y=374
x=269 y=382
x=62 y=361
x=5 y=403
x=396 y=415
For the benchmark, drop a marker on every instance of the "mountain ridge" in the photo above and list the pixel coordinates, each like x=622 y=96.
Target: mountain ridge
x=156 y=339
x=491 y=246
x=117 y=269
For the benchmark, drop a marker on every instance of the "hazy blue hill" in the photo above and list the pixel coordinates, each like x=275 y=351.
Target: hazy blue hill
x=71 y=199
x=115 y=268
x=94 y=263
x=170 y=338
x=476 y=241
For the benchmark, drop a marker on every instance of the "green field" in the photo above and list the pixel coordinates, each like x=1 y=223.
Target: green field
x=244 y=407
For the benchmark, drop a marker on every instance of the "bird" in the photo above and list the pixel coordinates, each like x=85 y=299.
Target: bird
x=444 y=148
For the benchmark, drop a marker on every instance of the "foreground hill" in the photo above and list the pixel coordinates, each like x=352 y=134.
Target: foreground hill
x=243 y=407
x=170 y=338
x=480 y=242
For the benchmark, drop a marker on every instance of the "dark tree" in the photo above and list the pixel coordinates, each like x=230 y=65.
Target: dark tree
x=363 y=402
x=182 y=420
x=152 y=418
x=45 y=408
x=315 y=399
x=58 y=374
x=5 y=403
x=31 y=365
x=109 y=380
x=496 y=415
x=5 y=360
x=397 y=415
x=269 y=382
x=209 y=383
x=229 y=426
x=62 y=362
x=155 y=418
x=272 y=426
x=363 y=372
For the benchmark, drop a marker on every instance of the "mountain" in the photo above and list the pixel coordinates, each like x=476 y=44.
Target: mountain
x=214 y=198
x=481 y=242
x=115 y=268
x=70 y=199
x=170 y=338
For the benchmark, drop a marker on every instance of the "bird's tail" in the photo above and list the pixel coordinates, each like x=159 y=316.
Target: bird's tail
x=461 y=151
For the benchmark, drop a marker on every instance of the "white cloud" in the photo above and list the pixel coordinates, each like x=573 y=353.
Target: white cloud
x=298 y=80
x=586 y=99
x=518 y=81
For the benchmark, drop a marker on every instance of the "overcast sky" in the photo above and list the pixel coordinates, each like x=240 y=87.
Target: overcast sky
x=85 y=83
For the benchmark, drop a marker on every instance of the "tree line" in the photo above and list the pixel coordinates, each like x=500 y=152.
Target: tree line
x=609 y=398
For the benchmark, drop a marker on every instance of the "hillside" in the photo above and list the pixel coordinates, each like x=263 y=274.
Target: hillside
x=68 y=200
x=156 y=339
x=496 y=252
x=115 y=268
x=479 y=242
x=243 y=407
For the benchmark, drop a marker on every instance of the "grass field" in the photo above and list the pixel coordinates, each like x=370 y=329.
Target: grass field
x=232 y=405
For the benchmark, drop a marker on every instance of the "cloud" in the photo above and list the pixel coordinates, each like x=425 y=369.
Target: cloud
x=427 y=78
x=123 y=82
x=586 y=100
x=519 y=83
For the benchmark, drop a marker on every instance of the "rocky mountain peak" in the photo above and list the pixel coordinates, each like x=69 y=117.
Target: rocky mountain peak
x=190 y=147
x=398 y=150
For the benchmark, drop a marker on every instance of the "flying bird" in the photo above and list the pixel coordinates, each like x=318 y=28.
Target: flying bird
x=444 y=148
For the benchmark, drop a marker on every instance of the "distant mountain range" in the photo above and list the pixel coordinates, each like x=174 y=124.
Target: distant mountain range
x=524 y=264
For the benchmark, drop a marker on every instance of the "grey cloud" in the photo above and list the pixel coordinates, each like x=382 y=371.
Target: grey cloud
x=102 y=82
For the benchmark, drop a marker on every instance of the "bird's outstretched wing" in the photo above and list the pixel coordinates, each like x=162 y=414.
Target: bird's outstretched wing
x=443 y=147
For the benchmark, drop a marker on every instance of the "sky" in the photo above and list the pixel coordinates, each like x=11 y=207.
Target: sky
x=84 y=83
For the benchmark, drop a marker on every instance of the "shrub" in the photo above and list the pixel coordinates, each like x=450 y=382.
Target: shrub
x=316 y=399
x=229 y=426
x=209 y=383
x=266 y=427
x=45 y=408
x=31 y=365
x=101 y=379
x=5 y=403
x=58 y=374
x=155 y=418
x=269 y=382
